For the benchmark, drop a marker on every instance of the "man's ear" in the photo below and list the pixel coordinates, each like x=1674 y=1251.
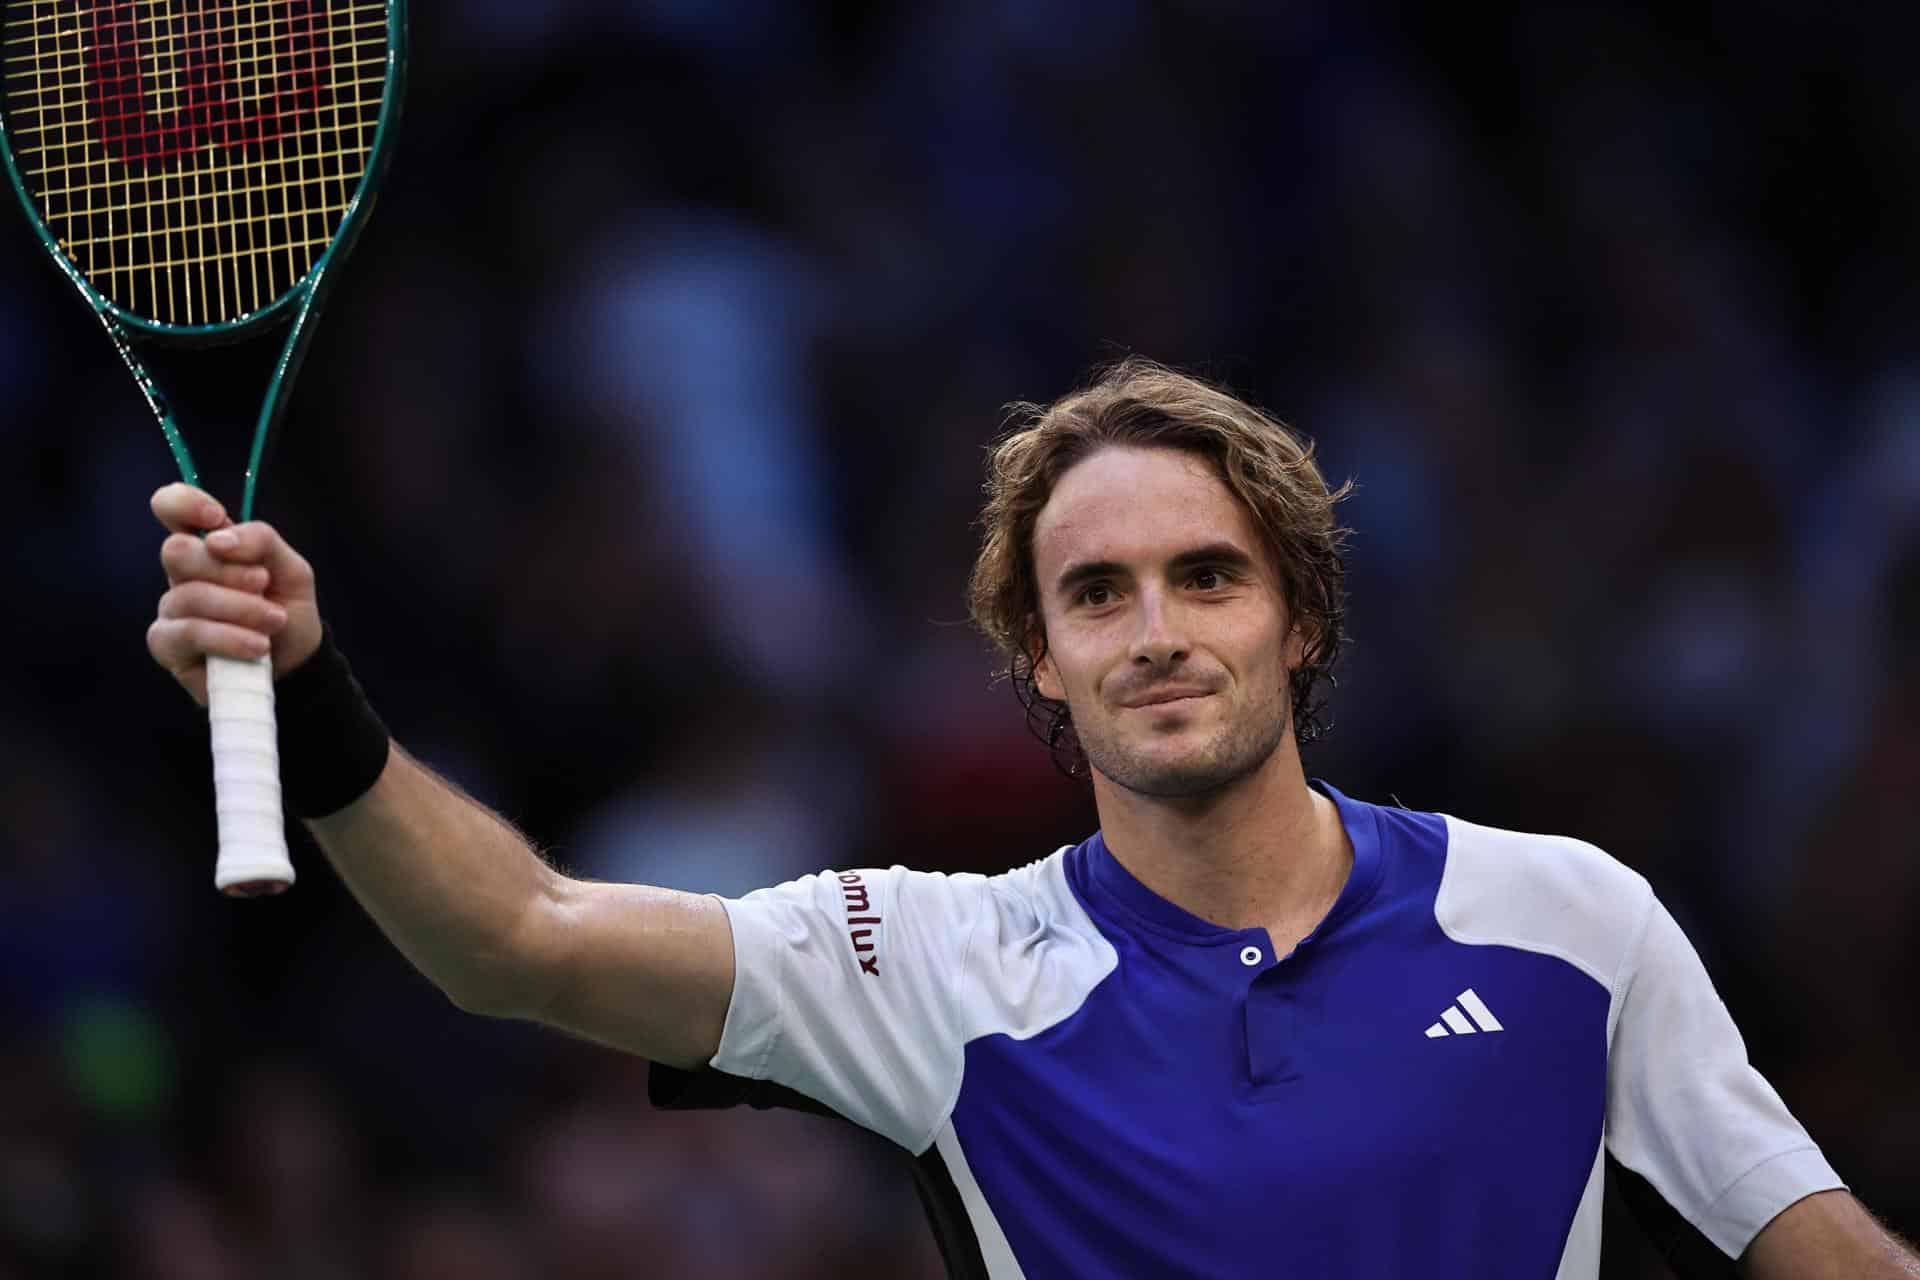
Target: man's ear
x=1046 y=680
x=1046 y=677
x=1303 y=638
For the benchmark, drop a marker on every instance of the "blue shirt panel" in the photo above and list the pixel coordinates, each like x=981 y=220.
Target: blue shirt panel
x=1201 y=1116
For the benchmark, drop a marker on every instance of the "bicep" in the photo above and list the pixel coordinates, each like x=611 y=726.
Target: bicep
x=646 y=970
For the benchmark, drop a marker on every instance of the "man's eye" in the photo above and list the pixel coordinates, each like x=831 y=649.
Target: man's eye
x=1208 y=579
x=1095 y=595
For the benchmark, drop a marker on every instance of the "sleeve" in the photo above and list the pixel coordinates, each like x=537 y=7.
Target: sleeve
x=844 y=992
x=1688 y=1113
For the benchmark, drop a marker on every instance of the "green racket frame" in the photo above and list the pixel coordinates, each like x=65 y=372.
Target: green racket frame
x=301 y=300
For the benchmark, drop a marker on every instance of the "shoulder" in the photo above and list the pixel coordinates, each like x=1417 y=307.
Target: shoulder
x=1037 y=893
x=1545 y=893
x=1034 y=912
x=1035 y=953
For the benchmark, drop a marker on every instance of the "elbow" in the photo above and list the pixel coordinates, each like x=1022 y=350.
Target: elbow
x=503 y=985
x=482 y=999
x=509 y=976
x=509 y=994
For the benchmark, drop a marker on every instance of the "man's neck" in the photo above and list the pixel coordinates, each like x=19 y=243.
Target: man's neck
x=1266 y=852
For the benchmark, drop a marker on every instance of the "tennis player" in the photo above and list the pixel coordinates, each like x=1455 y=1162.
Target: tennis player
x=1251 y=1026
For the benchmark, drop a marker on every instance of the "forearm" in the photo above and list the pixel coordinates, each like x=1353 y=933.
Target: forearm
x=1828 y=1234
x=456 y=888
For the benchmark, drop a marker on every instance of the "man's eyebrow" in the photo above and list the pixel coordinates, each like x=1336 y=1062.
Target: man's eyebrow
x=1074 y=575
x=1220 y=553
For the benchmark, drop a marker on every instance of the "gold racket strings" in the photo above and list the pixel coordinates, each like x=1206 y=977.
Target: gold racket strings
x=193 y=158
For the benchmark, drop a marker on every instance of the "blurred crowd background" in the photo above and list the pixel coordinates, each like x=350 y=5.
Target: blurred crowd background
x=638 y=456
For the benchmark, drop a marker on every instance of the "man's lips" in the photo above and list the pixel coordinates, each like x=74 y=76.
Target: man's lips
x=1161 y=697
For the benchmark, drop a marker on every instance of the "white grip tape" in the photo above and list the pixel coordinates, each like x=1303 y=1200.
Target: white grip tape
x=246 y=773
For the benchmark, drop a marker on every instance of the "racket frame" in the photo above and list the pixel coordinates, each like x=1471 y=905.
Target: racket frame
x=301 y=301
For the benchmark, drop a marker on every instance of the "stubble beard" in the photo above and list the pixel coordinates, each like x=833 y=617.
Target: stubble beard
x=1236 y=750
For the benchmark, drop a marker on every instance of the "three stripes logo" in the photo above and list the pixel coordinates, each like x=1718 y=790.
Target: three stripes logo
x=1454 y=1023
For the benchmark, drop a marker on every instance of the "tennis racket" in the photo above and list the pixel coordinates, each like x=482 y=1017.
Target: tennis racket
x=199 y=169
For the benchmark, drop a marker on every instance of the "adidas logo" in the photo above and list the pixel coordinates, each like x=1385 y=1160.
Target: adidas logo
x=1454 y=1023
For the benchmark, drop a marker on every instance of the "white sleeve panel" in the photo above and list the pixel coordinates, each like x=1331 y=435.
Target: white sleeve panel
x=1552 y=895
x=844 y=989
x=1035 y=957
x=1688 y=1113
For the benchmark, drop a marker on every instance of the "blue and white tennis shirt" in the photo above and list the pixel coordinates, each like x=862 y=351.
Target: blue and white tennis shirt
x=1098 y=1083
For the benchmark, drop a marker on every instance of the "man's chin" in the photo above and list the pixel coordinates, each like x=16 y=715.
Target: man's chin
x=1171 y=776
x=1168 y=769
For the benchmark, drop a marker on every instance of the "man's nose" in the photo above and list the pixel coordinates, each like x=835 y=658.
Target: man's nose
x=1161 y=638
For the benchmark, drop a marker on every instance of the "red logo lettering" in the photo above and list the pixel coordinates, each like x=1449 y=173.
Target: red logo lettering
x=854 y=890
x=163 y=86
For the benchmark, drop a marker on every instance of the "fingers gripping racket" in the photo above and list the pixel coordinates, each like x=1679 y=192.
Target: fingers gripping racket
x=198 y=169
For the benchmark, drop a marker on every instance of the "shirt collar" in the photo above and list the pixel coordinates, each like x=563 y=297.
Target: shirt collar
x=1116 y=883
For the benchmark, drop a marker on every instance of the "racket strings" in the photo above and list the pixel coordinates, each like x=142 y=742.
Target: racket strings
x=193 y=158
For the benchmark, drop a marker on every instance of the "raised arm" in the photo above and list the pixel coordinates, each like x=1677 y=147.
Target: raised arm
x=457 y=889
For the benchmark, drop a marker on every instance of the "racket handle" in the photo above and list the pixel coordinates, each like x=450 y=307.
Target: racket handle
x=246 y=778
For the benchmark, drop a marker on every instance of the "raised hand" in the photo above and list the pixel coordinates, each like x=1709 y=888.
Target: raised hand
x=240 y=592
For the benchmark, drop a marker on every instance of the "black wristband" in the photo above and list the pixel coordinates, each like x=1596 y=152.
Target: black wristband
x=332 y=745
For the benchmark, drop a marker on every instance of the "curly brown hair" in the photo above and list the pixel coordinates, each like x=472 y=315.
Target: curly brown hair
x=1138 y=402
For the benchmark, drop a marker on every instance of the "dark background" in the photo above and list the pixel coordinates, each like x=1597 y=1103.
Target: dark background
x=638 y=454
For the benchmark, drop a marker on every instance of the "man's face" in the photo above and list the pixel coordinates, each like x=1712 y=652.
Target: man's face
x=1167 y=629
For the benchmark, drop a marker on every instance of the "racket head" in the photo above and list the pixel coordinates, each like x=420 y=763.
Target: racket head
x=194 y=167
